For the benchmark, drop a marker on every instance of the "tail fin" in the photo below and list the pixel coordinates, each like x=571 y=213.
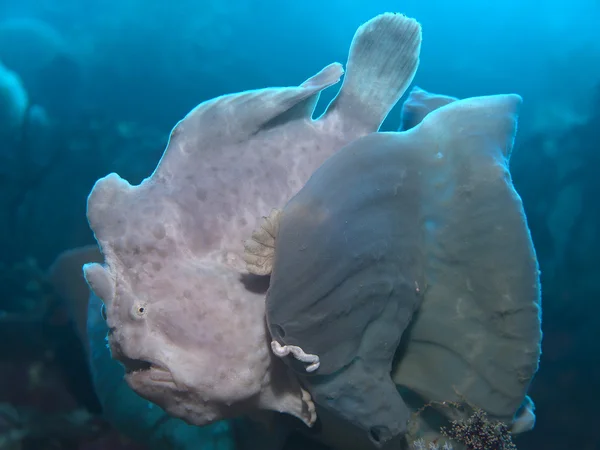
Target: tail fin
x=383 y=60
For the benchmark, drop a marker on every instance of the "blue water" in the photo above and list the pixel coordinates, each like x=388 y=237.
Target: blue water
x=107 y=80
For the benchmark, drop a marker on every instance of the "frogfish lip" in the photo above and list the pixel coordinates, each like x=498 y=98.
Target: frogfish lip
x=139 y=370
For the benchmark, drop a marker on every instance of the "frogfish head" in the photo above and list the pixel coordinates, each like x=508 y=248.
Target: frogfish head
x=191 y=340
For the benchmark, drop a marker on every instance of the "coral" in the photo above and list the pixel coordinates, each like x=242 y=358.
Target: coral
x=480 y=433
x=13 y=105
x=21 y=428
x=43 y=59
x=422 y=445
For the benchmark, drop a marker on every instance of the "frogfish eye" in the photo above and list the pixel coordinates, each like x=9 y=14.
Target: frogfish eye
x=140 y=310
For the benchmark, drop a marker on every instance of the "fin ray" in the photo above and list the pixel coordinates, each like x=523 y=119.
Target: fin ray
x=383 y=60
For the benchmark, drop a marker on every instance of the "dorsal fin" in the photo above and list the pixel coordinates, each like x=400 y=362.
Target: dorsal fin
x=490 y=118
x=237 y=116
x=383 y=60
x=420 y=103
x=304 y=109
x=233 y=118
x=480 y=315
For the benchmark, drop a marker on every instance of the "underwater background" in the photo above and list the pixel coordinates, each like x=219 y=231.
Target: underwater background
x=93 y=87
